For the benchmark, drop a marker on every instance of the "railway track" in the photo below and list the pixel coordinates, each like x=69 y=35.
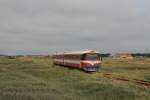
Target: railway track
x=125 y=79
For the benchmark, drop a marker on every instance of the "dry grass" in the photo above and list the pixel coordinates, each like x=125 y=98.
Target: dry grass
x=38 y=79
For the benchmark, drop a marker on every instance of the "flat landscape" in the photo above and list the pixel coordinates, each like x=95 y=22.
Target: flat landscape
x=32 y=78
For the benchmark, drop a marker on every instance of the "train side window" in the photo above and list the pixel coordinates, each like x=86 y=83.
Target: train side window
x=73 y=57
x=78 y=57
x=65 y=56
x=83 y=56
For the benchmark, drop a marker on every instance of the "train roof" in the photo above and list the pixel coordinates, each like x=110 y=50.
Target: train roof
x=78 y=52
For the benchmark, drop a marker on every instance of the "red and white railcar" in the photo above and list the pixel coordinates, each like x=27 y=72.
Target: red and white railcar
x=87 y=60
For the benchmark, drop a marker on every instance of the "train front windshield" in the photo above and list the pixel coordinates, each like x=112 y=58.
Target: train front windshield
x=92 y=57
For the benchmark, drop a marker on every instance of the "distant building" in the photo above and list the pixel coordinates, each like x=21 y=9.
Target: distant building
x=123 y=56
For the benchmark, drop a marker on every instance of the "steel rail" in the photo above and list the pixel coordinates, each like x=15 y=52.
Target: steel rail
x=125 y=79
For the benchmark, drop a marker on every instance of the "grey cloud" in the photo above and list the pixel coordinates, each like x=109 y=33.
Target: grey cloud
x=46 y=26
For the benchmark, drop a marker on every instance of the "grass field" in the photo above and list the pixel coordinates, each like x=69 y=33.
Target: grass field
x=29 y=78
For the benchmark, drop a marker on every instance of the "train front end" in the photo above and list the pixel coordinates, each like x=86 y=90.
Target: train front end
x=91 y=62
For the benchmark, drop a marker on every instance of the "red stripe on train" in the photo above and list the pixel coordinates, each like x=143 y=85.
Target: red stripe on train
x=67 y=64
x=72 y=65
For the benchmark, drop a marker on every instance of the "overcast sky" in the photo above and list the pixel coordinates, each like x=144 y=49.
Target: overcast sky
x=46 y=26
